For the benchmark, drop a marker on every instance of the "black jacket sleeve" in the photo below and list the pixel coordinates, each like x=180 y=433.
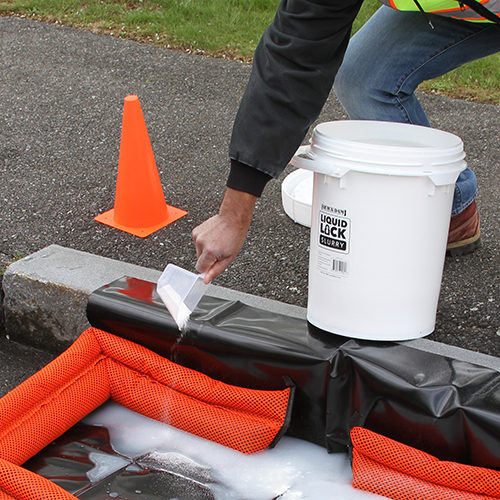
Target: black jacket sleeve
x=293 y=70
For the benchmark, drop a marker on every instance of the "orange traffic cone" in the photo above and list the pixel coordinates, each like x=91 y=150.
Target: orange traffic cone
x=140 y=206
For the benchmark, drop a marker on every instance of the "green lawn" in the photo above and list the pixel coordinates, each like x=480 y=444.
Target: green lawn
x=222 y=28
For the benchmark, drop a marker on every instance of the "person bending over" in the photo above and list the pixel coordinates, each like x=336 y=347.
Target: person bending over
x=300 y=56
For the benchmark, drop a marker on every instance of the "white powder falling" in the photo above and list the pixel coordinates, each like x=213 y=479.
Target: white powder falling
x=175 y=305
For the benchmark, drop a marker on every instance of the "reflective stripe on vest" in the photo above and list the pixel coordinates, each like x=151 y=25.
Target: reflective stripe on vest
x=449 y=8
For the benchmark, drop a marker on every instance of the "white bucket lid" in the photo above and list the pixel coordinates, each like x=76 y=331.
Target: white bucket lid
x=386 y=148
x=297 y=196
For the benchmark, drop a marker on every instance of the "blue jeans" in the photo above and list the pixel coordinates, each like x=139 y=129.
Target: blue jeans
x=393 y=53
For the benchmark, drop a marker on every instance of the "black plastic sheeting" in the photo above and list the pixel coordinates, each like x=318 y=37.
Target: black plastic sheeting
x=443 y=406
x=227 y=341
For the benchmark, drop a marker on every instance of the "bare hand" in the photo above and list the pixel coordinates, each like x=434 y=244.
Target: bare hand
x=219 y=239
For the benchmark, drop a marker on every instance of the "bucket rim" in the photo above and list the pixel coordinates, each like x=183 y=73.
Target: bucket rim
x=345 y=138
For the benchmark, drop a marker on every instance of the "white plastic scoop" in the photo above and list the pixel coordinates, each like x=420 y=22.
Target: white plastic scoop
x=180 y=291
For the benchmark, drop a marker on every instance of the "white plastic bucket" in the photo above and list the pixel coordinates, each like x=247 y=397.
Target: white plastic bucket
x=381 y=209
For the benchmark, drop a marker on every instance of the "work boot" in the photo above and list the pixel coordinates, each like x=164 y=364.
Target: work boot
x=464 y=234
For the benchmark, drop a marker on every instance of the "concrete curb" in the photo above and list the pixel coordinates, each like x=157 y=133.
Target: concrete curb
x=46 y=295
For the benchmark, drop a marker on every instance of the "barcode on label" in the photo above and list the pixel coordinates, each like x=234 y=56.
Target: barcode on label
x=339 y=266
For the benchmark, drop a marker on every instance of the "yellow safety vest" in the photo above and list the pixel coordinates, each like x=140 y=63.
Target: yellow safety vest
x=465 y=10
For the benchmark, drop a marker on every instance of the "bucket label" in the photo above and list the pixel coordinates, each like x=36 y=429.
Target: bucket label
x=334 y=232
x=331 y=265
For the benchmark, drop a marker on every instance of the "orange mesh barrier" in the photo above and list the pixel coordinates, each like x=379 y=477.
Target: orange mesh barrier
x=17 y=483
x=99 y=366
x=247 y=420
x=47 y=404
x=395 y=470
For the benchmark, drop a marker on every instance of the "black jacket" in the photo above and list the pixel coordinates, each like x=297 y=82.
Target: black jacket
x=293 y=70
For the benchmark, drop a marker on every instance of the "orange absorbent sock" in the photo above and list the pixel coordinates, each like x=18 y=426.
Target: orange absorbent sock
x=392 y=469
x=100 y=366
x=17 y=483
x=54 y=399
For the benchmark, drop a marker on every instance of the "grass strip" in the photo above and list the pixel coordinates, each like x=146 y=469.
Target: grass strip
x=223 y=28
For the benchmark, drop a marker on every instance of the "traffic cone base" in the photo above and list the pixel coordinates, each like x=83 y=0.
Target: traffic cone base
x=108 y=218
x=140 y=207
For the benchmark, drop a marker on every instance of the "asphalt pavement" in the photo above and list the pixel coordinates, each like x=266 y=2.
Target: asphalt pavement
x=61 y=105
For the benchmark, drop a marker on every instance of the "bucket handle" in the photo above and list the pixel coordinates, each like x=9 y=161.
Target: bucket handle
x=305 y=158
x=302 y=159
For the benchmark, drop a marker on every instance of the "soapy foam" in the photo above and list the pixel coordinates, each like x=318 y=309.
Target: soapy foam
x=293 y=470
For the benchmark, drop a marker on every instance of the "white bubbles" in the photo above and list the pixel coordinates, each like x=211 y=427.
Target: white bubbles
x=293 y=470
